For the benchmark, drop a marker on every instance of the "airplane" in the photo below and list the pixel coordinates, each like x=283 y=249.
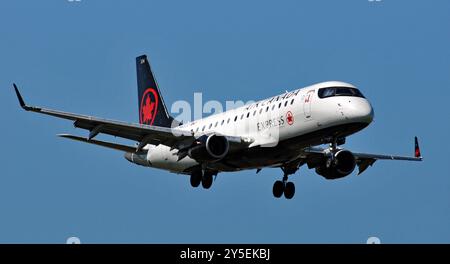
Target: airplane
x=285 y=131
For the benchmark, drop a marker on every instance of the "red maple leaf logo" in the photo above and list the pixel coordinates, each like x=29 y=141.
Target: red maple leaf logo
x=147 y=110
x=290 y=118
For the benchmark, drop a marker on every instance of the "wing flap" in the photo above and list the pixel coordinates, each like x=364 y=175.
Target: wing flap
x=363 y=164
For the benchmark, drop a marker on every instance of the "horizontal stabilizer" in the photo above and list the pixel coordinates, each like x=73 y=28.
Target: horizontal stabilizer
x=100 y=143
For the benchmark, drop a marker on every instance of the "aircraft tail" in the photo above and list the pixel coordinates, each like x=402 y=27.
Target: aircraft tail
x=152 y=110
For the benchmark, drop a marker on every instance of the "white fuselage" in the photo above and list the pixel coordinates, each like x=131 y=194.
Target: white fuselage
x=270 y=121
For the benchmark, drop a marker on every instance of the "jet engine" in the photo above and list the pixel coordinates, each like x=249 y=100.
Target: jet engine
x=209 y=148
x=339 y=165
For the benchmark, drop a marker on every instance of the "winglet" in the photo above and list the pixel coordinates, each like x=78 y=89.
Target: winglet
x=19 y=96
x=417 y=148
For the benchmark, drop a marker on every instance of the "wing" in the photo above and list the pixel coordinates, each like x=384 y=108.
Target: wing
x=138 y=132
x=363 y=160
x=145 y=134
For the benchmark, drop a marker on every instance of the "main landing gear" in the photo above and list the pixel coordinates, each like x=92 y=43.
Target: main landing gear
x=205 y=178
x=284 y=187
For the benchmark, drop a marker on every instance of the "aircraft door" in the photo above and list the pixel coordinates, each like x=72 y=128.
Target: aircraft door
x=307 y=102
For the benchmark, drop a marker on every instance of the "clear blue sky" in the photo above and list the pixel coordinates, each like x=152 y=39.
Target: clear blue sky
x=79 y=57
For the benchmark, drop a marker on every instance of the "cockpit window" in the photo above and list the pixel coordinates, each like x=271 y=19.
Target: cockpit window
x=339 y=91
x=326 y=92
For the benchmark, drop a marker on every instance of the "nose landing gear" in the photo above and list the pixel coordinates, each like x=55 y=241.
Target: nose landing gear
x=284 y=187
x=278 y=189
x=289 y=190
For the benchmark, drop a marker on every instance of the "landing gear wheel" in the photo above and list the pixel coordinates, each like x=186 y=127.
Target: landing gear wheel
x=196 y=178
x=278 y=188
x=207 y=180
x=289 y=190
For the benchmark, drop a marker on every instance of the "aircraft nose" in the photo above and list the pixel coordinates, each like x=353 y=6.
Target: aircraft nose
x=360 y=110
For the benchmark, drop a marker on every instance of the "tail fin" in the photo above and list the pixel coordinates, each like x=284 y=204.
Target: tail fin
x=152 y=110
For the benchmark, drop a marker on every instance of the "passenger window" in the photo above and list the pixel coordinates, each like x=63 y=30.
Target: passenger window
x=254 y=113
x=248 y=114
x=242 y=116
x=210 y=125
x=279 y=105
x=216 y=124
x=223 y=121
x=235 y=118
x=292 y=101
x=260 y=111
x=273 y=107
x=285 y=104
x=267 y=109
x=228 y=121
x=203 y=129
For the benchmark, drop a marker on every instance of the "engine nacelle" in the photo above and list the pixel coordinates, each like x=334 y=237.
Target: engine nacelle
x=210 y=148
x=340 y=165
